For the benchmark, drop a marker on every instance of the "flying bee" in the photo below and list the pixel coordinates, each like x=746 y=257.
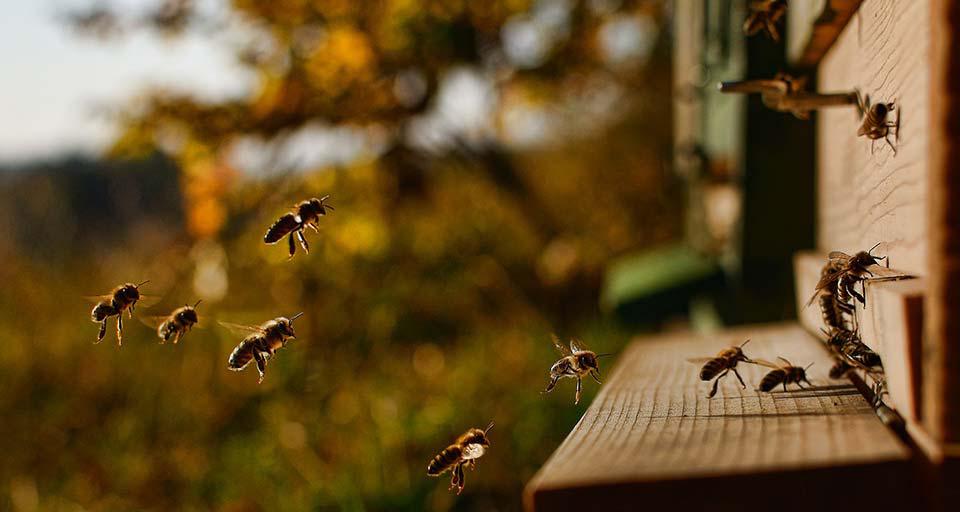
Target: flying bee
x=122 y=298
x=783 y=374
x=464 y=451
x=576 y=362
x=724 y=362
x=875 y=124
x=764 y=15
x=174 y=326
x=261 y=342
x=305 y=214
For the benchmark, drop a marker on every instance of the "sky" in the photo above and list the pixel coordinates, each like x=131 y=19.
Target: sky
x=52 y=80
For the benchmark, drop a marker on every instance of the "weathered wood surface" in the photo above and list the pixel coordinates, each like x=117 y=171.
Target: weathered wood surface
x=867 y=197
x=891 y=323
x=651 y=437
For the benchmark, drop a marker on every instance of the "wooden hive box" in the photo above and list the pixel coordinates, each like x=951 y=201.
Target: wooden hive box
x=651 y=437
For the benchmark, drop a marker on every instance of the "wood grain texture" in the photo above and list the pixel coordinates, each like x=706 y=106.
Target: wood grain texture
x=652 y=437
x=941 y=351
x=891 y=324
x=867 y=198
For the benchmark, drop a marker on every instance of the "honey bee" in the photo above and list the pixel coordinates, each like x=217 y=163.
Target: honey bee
x=175 y=325
x=785 y=93
x=875 y=124
x=576 y=362
x=852 y=350
x=261 y=342
x=783 y=374
x=842 y=272
x=724 y=362
x=764 y=15
x=834 y=311
x=463 y=452
x=122 y=298
x=305 y=214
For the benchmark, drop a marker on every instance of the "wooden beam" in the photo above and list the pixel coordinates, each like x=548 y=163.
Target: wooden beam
x=808 y=44
x=652 y=438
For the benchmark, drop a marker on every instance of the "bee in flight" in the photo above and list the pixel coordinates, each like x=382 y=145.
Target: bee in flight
x=175 y=325
x=464 y=451
x=764 y=15
x=122 y=298
x=783 y=374
x=305 y=214
x=261 y=342
x=576 y=362
x=875 y=124
x=724 y=362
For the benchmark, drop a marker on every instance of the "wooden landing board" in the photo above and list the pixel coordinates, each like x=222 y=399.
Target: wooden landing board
x=652 y=438
x=891 y=324
x=866 y=196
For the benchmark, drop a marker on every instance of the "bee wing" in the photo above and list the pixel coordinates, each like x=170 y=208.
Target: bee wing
x=152 y=321
x=698 y=360
x=839 y=256
x=145 y=301
x=241 y=329
x=564 y=351
x=764 y=362
x=576 y=345
x=98 y=298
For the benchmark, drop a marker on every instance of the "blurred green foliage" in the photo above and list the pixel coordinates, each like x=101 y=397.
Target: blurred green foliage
x=429 y=294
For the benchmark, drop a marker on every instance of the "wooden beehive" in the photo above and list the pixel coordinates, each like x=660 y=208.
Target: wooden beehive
x=651 y=436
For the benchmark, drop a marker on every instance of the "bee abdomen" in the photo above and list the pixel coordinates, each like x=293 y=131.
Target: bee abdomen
x=444 y=460
x=241 y=356
x=283 y=226
x=712 y=368
x=101 y=311
x=771 y=379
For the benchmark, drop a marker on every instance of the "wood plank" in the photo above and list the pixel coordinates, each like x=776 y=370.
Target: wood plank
x=813 y=27
x=891 y=324
x=869 y=197
x=941 y=351
x=652 y=437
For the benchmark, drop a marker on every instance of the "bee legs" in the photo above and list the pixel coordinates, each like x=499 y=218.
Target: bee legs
x=887 y=138
x=303 y=242
x=120 y=329
x=292 y=245
x=594 y=374
x=456 y=481
x=716 y=382
x=735 y=372
x=553 y=382
x=579 y=385
x=261 y=364
x=103 y=330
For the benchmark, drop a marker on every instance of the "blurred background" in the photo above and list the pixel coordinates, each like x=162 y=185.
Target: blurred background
x=502 y=170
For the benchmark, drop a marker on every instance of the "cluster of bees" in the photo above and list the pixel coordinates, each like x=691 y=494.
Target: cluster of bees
x=785 y=93
x=837 y=295
x=261 y=342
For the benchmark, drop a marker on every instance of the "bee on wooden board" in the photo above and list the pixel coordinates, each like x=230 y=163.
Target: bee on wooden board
x=764 y=15
x=463 y=452
x=576 y=363
x=174 y=326
x=724 y=362
x=835 y=312
x=849 y=346
x=305 y=214
x=122 y=298
x=261 y=343
x=786 y=93
x=783 y=374
x=876 y=125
